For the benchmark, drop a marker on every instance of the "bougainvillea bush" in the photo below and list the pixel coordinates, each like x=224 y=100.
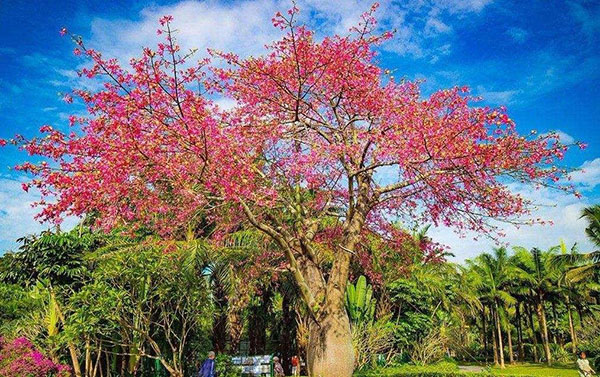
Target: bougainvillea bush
x=19 y=358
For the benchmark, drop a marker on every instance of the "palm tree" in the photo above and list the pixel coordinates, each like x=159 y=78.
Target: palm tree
x=540 y=276
x=592 y=215
x=584 y=266
x=495 y=272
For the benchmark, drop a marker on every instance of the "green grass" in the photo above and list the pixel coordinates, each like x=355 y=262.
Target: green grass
x=451 y=370
x=538 y=370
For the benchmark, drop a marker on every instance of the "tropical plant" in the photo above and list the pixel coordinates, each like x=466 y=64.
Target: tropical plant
x=540 y=275
x=495 y=273
x=360 y=302
x=592 y=215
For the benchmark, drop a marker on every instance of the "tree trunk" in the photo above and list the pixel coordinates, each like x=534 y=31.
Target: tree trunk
x=571 y=326
x=70 y=345
x=219 y=330
x=259 y=318
x=543 y=328
x=520 y=333
x=580 y=313
x=554 y=322
x=533 y=334
x=485 y=339
x=288 y=327
x=330 y=352
x=499 y=328
x=494 y=341
x=511 y=359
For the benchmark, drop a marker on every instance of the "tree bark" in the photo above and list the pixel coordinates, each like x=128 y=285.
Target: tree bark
x=543 y=328
x=330 y=352
x=499 y=329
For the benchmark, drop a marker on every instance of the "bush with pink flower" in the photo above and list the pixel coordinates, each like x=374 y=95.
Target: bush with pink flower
x=20 y=358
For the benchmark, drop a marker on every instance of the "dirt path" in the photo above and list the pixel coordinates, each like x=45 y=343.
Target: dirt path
x=470 y=368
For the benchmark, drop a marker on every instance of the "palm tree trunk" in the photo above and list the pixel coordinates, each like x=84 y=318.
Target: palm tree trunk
x=580 y=314
x=571 y=327
x=555 y=322
x=499 y=328
x=510 y=347
x=494 y=344
x=543 y=328
x=520 y=333
x=485 y=338
x=533 y=334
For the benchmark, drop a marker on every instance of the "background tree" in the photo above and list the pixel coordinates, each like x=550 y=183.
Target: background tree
x=540 y=275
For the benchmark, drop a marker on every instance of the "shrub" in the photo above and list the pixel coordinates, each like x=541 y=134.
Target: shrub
x=430 y=349
x=225 y=367
x=19 y=358
x=371 y=339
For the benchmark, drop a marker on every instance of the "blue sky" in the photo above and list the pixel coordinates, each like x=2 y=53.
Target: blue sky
x=537 y=57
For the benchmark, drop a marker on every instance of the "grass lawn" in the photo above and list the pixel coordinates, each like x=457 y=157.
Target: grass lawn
x=526 y=369
x=538 y=370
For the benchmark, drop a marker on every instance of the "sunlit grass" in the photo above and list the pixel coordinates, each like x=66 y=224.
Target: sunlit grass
x=559 y=370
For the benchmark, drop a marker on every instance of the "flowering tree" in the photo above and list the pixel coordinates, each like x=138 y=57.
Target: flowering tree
x=320 y=150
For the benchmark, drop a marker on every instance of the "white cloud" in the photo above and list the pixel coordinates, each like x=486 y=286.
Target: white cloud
x=562 y=210
x=588 y=177
x=244 y=27
x=587 y=17
x=517 y=34
x=496 y=97
x=564 y=137
x=17 y=214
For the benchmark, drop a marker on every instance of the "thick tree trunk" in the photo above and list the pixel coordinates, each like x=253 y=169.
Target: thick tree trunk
x=571 y=327
x=499 y=329
x=330 y=352
x=543 y=329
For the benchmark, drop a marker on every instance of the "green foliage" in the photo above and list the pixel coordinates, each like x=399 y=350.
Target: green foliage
x=56 y=257
x=592 y=215
x=360 y=301
x=225 y=367
x=371 y=339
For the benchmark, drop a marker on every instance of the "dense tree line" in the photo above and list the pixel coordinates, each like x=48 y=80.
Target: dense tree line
x=114 y=305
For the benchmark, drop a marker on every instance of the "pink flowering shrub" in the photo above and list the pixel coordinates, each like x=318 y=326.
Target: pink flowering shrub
x=19 y=358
